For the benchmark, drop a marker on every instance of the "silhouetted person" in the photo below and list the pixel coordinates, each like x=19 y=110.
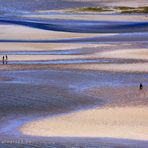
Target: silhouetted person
x=6 y=59
x=140 y=86
x=3 y=60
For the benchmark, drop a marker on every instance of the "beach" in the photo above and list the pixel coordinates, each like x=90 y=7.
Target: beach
x=72 y=79
x=83 y=106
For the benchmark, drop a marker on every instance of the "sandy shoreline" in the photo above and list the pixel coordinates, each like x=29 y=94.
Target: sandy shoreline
x=102 y=17
x=94 y=123
x=28 y=33
x=89 y=90
x=127 y=102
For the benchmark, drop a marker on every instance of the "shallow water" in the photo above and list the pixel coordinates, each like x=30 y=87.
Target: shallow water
x=57 y=52
x=76 y=80
x=80 y=26
x=80 y=61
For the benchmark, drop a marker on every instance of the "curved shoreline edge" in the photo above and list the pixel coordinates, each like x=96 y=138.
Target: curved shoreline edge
x=81 y=26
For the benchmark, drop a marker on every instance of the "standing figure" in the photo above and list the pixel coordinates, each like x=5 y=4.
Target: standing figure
x=6 y=59
x=140 y=86
x=3 y=60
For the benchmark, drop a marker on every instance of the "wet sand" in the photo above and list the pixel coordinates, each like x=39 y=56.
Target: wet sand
x=39 y=88
x=86 y=82
x=125 y=109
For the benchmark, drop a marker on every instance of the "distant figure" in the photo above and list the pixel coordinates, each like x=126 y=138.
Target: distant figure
x=3 y=60
x=6 y=59
x=140 y=86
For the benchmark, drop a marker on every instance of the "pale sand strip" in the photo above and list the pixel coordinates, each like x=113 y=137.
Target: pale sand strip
x=102 y=17
x=127 y=54
x=127 y=122
x=28 y=33
x=42 y=57
x=138 y=67
x=45 y=47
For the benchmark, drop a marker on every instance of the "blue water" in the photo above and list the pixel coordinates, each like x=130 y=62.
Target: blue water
x=124 y=37
x=57 y=52
x=78 y=80
x=79 y=61
x=81 y=26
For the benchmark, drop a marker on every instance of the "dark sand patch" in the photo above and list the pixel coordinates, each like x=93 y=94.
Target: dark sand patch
x=5 y=78
x=122 y=96
x=25 y=99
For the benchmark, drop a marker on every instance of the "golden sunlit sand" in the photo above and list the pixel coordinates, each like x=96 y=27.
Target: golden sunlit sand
x=124 y=116
x=28 y=33
x=45 y=47
x=127 y=122
x=127 y=54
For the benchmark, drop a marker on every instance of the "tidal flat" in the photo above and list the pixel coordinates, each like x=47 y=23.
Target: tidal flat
x=71 y=79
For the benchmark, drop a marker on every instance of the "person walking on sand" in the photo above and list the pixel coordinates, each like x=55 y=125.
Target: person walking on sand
x=3 y=60
x=140 y=86
x=6 y=59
